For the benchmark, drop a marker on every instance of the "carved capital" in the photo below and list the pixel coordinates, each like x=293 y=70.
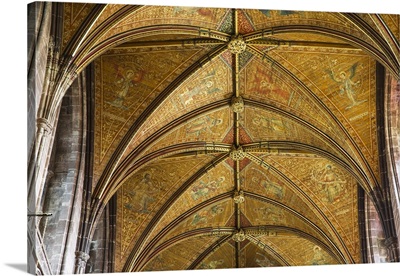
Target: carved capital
x=80 y=261
x=53 y=44
x=237 y=154
x=237 y=104
x=237 y=45
x=83 y=256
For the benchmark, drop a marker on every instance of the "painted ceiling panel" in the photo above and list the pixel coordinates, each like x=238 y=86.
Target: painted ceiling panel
x=345 y=83
x=209 y=84
x=268 y=184
x=144 y=193
x=213 y=126
x=306 y=37
x=181 y=255
x=254 y=256
x=263 y=19
x=262 y=125
x=264 y=214
x=331 y=188
x=126 y=83
x=206 y=18
x=190 y=210
x=302 y=250
x=212 y=216
x=222 y=257
x=180 y=39
x=266 y=83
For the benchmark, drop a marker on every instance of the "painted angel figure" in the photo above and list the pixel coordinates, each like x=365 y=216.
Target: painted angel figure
x=347 y=84
x=125 y=79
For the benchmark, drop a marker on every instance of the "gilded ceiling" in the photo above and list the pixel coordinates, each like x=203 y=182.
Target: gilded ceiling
x=233 y=137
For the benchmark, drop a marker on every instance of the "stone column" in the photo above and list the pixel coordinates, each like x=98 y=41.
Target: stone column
x=392 y=247
x=38 y=166
x=80 y=262
x=46 y=123
x=375 y=237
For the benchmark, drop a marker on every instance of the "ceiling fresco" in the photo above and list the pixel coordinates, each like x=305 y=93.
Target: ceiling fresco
x=149 y=16
x=343 y=86
x=213 y=127
x=232 y=137
x=127 y=82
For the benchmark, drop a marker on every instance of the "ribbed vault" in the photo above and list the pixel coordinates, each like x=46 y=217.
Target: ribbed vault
x=233 y=137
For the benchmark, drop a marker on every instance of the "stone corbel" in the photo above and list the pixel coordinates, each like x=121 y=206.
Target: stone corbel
x=44 y=126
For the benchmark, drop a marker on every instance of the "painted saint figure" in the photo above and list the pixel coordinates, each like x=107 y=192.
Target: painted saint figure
x=269 y=186
x=318 y=258
x=206 y=87
x=211 y=264
x=143 y=194
x=201 y=125
x=189 y=11
x=204 y=188
x=273 y=125
x=203 y=216
x=263 y=83
x=125 y=79
x=331 y=182
x=270 y=215
x=347 y=84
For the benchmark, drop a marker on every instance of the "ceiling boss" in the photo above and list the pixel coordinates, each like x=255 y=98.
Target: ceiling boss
x=237 y=45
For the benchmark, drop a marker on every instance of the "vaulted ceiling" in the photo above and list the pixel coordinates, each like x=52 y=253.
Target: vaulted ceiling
x=234 y=137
